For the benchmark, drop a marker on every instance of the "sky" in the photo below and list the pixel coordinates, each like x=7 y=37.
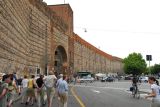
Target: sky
x=118 y=27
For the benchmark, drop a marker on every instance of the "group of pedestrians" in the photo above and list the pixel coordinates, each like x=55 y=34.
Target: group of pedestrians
x=32 y=90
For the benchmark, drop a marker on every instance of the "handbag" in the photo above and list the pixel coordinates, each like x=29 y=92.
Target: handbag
x=131 y=88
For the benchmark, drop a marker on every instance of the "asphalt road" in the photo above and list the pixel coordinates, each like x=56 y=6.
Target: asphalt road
x=118 y=84
x=114 y=94
x=109 y=97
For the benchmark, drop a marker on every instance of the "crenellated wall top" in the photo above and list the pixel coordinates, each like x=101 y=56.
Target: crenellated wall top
x=55 y=19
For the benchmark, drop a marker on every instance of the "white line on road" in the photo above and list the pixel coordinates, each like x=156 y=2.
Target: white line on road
x=101 y=87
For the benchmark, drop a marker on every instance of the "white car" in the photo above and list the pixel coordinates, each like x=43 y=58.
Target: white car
x=143 y=79
x=86 y=79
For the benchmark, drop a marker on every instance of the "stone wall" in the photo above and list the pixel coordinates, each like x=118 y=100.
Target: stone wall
x=14 y=35
x=89 y=58
x=31 y=31
x=29 y=34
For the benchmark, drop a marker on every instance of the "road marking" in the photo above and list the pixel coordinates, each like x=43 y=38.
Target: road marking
x=141 y=95
x=77 y=98
x=96 y=91
x=101 y=87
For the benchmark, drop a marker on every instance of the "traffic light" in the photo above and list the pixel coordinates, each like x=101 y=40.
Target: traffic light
x=149 y=57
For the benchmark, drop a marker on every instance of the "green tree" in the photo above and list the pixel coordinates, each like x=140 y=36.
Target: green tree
x=155 y=69
x=134 y=64
x=147 y=71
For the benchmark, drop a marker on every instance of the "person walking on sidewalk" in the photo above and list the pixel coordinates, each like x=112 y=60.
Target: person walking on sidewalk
x=155 y=94
x=24 y=88
x=50 y=87
x=3 y=90
x=19 y=83
x=12 y=90
x=57 y=85
x=40 y=91
x=31 y=90
x=63 y=91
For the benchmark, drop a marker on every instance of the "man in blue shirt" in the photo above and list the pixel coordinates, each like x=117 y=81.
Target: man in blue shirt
x=63 y=91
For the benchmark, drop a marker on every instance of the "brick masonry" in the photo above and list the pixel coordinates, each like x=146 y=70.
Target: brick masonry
x=31 y=31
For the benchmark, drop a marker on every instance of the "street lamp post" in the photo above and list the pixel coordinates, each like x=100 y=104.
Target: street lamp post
x=46 y=54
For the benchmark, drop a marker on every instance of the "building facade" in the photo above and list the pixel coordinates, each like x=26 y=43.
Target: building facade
x=37 y=38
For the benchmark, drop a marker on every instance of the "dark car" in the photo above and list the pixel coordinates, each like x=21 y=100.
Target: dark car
x=128 y=78
x=107 y=79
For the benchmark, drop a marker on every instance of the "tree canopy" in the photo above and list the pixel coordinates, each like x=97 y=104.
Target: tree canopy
x=155 y=69
x=134 y=64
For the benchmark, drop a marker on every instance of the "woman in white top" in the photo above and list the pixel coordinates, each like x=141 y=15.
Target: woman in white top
x=155 y=94
x=24 y=88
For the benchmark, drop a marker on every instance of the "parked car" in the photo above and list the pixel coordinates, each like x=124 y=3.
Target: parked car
x=86 y=79
x=128 y=78
x=107 y=79
x=143 y=79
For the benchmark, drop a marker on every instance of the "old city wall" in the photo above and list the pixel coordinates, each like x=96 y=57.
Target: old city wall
x=14 y=35
x=29 y=34
x=89 y=58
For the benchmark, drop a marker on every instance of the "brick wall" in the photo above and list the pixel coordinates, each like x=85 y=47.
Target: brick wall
x=29 y=34
x=89 y=58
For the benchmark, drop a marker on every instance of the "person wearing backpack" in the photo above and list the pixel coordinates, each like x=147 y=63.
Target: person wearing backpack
x=3 y=90
x=50 y=87
x=19 y=83
x=40 y=91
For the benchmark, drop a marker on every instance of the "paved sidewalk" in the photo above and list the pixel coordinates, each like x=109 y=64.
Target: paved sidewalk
x=72 y=102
